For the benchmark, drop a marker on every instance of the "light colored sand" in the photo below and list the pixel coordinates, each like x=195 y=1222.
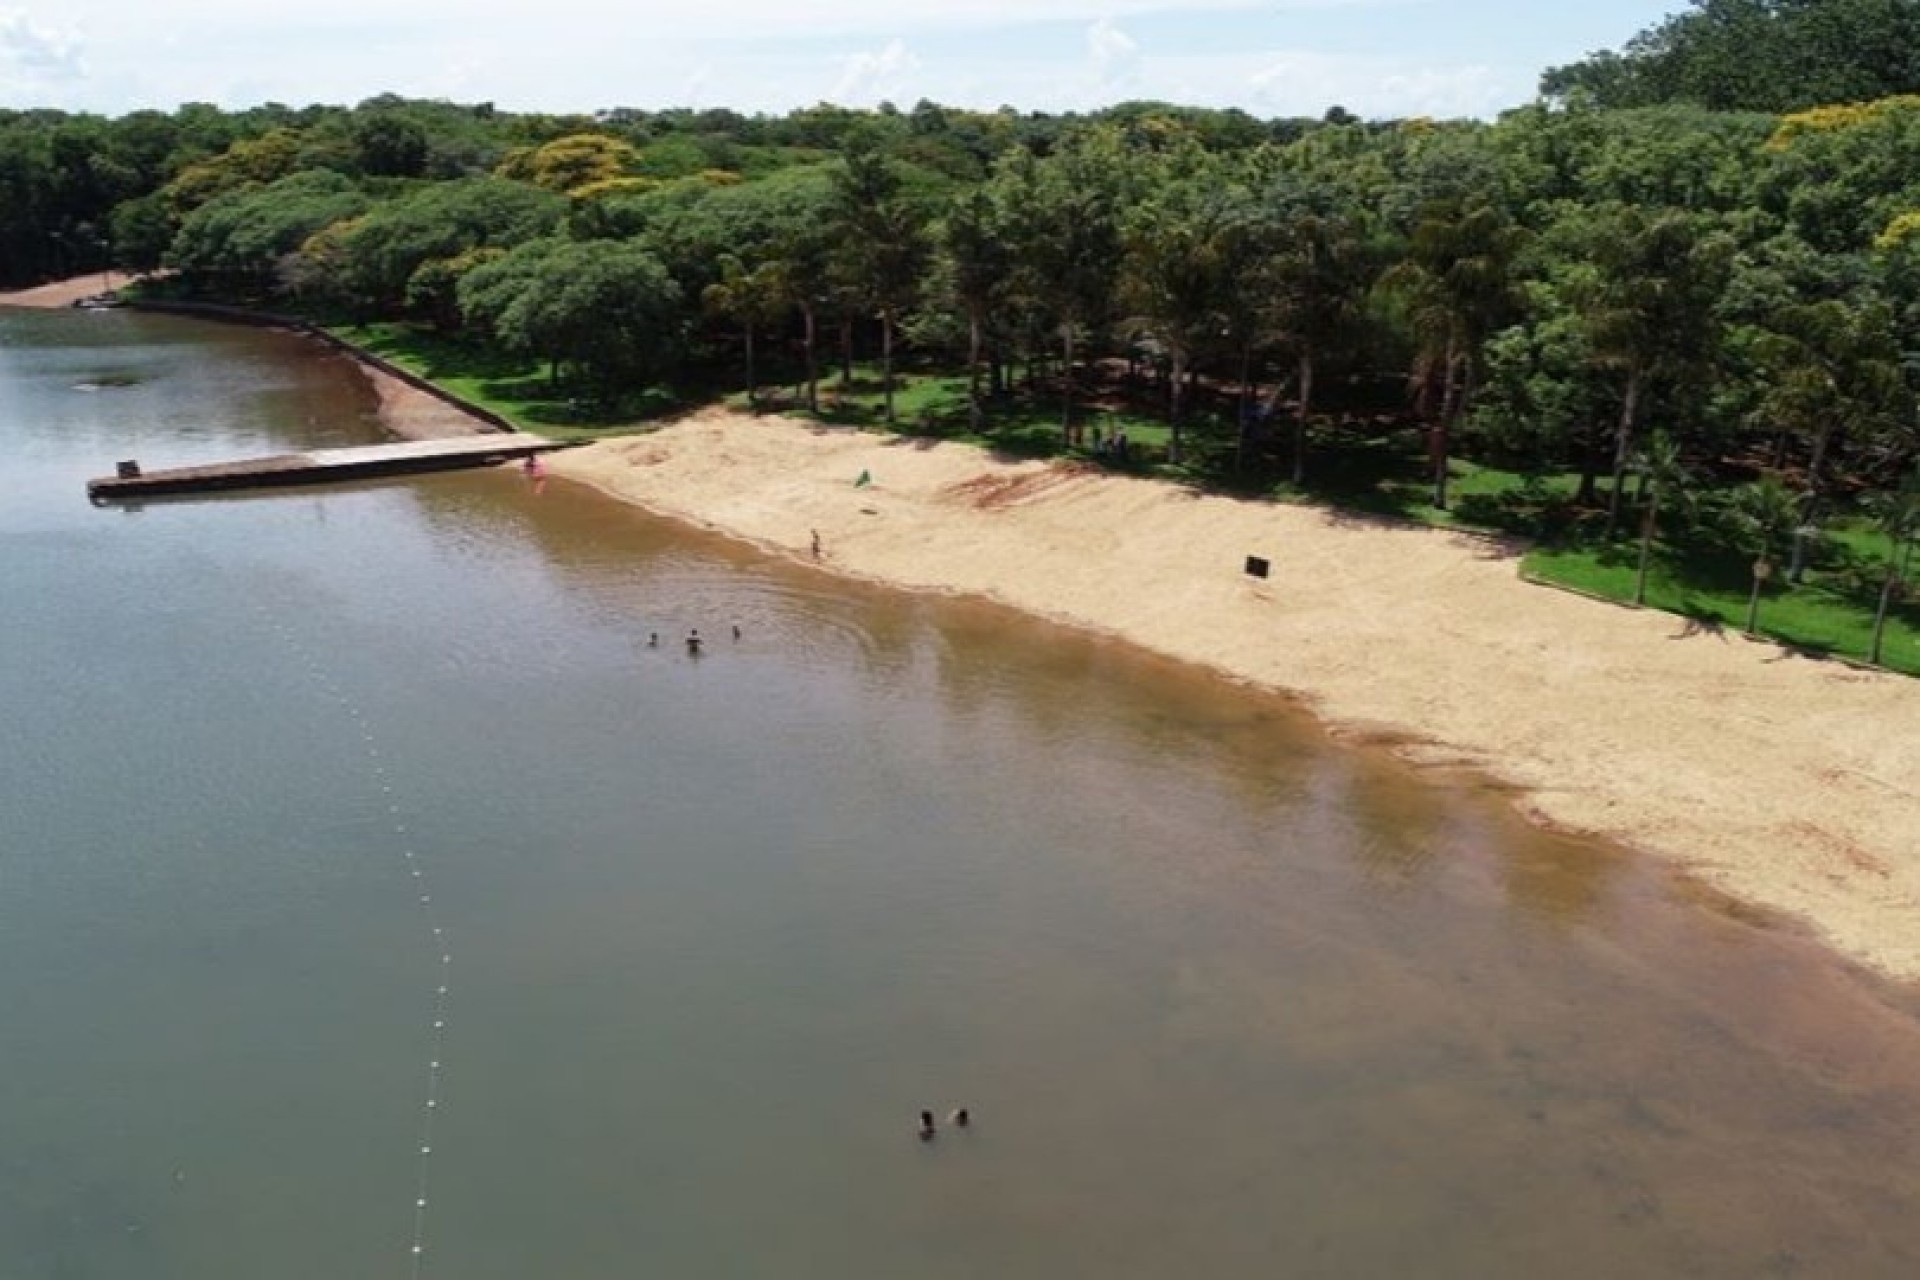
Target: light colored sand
x=64 y=293
x=1787 y=782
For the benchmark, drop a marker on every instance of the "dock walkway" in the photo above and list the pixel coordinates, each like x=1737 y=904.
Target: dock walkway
x=321 y=466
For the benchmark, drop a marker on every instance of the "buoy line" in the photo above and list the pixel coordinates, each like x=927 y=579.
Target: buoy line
x=419 y=882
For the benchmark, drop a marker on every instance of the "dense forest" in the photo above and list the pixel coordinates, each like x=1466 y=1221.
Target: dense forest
x=1691 y=266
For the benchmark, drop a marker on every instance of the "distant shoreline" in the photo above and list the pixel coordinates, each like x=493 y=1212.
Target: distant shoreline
x=405 y=410
x=64 y=293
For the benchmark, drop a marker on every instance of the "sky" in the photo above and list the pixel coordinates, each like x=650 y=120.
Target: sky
x=1379 y=59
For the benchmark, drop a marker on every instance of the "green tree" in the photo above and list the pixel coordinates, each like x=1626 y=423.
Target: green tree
x=1185 y=247
x=610 y=311
x=752 y=298
x=1649 y=309
x=1832 y=368
x=974 y=267
x=1063 y=219
x=1315 y=282
x=1664 y=481
x=1766 y=512
x=1897 y=514
x=884 y=245
x=1456 y=283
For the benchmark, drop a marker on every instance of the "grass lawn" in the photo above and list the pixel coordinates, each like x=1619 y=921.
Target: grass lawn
x=1828 y=613
x=517 y=389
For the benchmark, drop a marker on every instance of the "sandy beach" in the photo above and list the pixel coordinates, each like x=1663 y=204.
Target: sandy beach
x=1787 y=782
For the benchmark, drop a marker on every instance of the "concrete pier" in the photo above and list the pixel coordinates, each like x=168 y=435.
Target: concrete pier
x=320 y=466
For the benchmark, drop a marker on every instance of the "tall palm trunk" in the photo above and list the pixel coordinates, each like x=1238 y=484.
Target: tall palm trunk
x=753 y=394
x=1440 y=445
x=813 y=356
x=1301 y=418
x=1648 y=521
x=1176 y=400
x=973 y=370
x=886 y=360
x=1894 y=577
x=1066 y=383
x=1623 y=445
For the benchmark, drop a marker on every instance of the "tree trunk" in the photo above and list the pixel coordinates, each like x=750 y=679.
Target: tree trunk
x=1797 y=549
x=1753 y=605
x=753 y=395
x=1647 y=524
x=1176 y=401
x=973 y=372
x=1066 y=383
x=1588 y=495
x=1439 y=445
x=846 y=354
x=1301 y=419
x=813 y=358
x=1623 y=446
x=1895 y=575
x=886 y=362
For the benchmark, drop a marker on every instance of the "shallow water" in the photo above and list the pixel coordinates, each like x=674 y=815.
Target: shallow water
x=1225 y=998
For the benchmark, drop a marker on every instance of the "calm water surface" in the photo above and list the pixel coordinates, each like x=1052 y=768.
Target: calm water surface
x=1226 y=999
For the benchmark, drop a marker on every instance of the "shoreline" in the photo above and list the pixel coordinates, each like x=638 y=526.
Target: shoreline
x=1777 y=779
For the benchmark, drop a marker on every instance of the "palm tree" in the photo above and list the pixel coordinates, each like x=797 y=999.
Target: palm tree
x=883 y=240
x=1898 y=516
x=1457 y=284
x=977 y=266
x=1766 y=510
x=750 y=298
x=1317 y=278
x=1648 y=309
x=1185 y=249
x=1834 y=369
x=1664 y=479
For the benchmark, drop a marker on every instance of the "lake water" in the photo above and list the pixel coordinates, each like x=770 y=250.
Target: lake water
x=1225 y=998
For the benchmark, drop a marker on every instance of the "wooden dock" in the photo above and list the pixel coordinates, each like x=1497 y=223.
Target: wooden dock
x=320 y=466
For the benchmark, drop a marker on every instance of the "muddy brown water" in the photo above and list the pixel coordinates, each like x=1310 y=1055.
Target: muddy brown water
x=1224 y=996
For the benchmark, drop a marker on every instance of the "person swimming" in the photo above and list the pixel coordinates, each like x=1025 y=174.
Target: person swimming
x=926 y=1126
x=693 y=642
x=961 y=1118
x=653 y=639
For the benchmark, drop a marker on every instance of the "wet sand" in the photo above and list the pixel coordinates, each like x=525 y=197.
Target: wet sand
x=1787 y=782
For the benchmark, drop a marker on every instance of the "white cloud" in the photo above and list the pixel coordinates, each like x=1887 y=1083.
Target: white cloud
x=868 y=78
x=1113 y=51
x=37 y=52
